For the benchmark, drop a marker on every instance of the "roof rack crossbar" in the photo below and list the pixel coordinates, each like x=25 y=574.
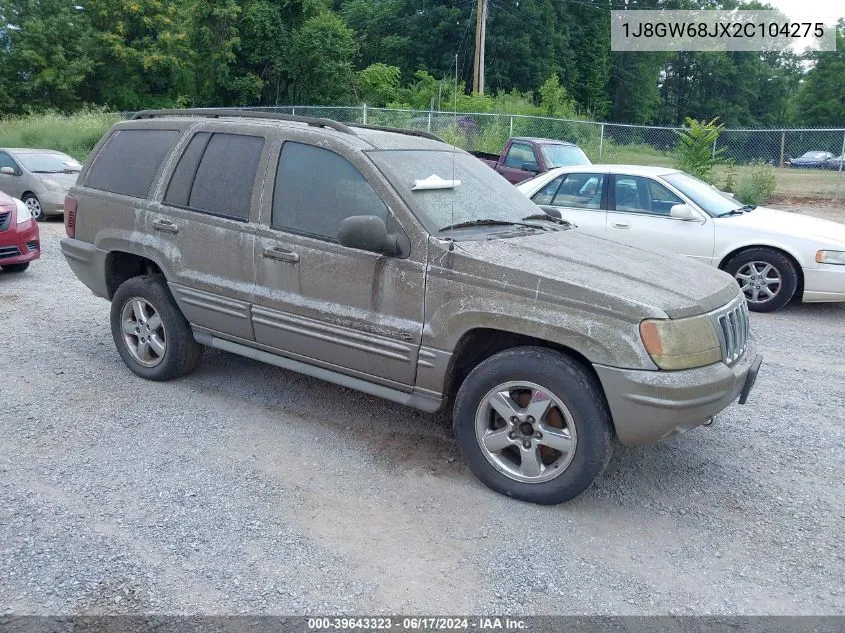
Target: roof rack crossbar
x=246 y=114
x=398 y=130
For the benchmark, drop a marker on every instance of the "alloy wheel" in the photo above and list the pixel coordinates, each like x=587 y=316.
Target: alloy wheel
x=143 y=332
x=759 y=281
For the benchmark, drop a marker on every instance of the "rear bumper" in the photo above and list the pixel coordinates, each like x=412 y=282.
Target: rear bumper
x=20 y=244
x=648 y=406
x=826 y=283
x=88 y=263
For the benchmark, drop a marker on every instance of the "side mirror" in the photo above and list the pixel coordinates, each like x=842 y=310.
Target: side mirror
x=366 y=233
x=684 y=212
x=729 y=194
x=7 y=171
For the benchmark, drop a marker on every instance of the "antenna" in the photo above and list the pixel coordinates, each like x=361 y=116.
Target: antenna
x=454 y=147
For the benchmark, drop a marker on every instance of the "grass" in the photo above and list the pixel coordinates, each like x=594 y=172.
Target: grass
x=75 y=135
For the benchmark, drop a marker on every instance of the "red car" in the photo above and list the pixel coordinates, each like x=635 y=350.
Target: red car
x=19 y=241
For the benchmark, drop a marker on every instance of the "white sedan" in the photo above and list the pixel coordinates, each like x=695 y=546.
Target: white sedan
x=774 y=255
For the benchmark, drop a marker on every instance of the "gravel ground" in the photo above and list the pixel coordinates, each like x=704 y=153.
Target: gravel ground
x=244 y=488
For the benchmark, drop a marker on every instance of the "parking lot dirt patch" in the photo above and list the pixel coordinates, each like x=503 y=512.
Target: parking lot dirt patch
x=244 y=488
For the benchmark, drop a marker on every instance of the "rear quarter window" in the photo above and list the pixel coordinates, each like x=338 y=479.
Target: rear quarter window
x=129 y=161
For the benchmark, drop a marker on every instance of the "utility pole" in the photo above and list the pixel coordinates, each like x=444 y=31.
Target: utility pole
x=480 y=40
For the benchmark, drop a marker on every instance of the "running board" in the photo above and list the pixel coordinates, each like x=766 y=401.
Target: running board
x=419 y=401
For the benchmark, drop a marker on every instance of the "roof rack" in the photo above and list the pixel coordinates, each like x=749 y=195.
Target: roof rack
x=246 y=114
x=397 y=130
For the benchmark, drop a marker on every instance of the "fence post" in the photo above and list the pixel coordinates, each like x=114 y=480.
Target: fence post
x=511 y=132
x=429 y=121
x=782 y=146
x=364 y=108
x=839 y=177
x=714 y=146
x=601 y=140
x=293 y=111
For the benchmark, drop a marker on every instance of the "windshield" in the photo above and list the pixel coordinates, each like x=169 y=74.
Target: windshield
x=49 y=163
x=482 y=194
x=705 y=196
x=563 y=155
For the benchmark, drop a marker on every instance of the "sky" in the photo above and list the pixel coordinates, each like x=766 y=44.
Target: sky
x=832 y=9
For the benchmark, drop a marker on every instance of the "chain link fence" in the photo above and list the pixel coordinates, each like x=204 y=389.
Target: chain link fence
x=818 y=176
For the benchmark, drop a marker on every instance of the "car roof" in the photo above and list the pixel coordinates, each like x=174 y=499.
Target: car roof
x=629 y=170
x=363 y=138
x=30 y=150
x=546 y=141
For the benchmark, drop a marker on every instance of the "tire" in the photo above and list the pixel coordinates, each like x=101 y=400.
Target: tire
x=756 y=269
x=15 y=268
x=164 y=349
x=34 y=205
x=560 y=382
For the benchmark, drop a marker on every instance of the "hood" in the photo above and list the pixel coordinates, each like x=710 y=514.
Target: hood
x=593 y=270
x=789 y=224
x=66 y=180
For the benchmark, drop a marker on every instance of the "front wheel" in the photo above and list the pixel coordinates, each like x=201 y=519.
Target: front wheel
x=15 y=268
x=533 y=425
x=34 y=205
x=151 y=334
x=767 y=278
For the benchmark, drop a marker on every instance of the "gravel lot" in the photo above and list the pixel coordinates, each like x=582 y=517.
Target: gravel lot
x=245 y=488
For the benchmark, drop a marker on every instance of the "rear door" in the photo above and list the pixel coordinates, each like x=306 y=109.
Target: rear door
x=352 y=311
x=205 y=224
x=580 y=198
x=639 y=216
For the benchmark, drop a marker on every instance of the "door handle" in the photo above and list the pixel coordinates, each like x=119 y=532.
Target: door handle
x=160 y=224
x=281 y=254
x=620 y=225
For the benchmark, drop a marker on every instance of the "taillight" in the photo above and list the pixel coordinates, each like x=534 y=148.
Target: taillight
x=70 y=216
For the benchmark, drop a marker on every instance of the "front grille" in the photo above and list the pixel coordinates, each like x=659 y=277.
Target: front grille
x=9 y=251
x=5 y=220
x=32 y=246
x=732 y=326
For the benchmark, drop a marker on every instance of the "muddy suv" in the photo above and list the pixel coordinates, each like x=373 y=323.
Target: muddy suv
x=394 y=264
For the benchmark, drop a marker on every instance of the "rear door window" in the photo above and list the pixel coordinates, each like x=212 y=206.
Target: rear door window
x=129 y=161
x=216 y=174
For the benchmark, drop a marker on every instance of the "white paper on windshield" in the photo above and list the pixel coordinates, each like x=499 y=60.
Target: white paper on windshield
x=435 y=182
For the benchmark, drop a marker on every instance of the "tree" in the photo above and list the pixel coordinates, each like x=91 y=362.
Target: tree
x=378 y=84
x=821 y=99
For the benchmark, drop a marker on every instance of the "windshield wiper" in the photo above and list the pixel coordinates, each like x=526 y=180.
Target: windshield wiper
x=740 y=211
x=550 y=218
x=486 y=222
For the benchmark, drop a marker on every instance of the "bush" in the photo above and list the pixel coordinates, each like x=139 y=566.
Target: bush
x=694 y=153
x=75 y=135
x=758 y=185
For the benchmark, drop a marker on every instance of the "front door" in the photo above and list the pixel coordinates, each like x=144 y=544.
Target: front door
x=10 y=184
x=579 y=197
x=639 y=215
x=519 y=163
x=349 y=310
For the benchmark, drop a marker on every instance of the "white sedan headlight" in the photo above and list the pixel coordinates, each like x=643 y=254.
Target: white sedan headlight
x=831 y=257
x=23 y=214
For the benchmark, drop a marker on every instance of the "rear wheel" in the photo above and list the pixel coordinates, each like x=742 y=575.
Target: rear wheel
x=151 y=334
x=16 y=268
x=532 y=424
x=767 y=278
x=34 y=205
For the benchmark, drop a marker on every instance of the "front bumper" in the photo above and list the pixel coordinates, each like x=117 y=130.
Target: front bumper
x=825 y=283
x=20 y=244
x=52 y=202
x=648 y=406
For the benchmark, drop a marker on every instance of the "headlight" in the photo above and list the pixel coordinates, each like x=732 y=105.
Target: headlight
x=52 y=185
x=681 y=343
x=831 y=257
x=23 y=214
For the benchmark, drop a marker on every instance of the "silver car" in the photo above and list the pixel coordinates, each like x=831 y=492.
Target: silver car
x=39 y=177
